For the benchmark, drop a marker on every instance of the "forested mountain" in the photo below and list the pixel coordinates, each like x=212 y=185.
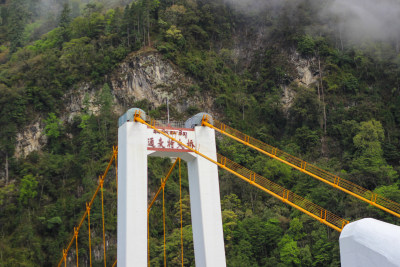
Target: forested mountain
x=319 y=79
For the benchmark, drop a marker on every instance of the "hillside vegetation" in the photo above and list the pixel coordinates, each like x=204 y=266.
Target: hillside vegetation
x=347 y=121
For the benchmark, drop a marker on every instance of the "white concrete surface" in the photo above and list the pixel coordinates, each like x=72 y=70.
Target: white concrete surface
x=132 y=195
x=208 y=236
x=368 y=243
x=135 y=142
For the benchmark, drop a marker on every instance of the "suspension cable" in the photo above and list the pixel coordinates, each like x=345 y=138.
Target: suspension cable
x=65 y=257
x=335 y=181
x=180 y=207
x=148 y=239
x=159 y=189
x=163 y=182
x=113 y=157
x=90 y=245
x=102 y=215
x=163 y=211
x=76 y=239
x=115 y=151
x=137 y=118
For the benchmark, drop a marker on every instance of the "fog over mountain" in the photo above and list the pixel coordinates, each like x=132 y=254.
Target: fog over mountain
x=357 y=19
x=361 y=19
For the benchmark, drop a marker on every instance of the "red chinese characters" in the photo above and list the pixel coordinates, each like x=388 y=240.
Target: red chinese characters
x=160 y=143
x=190 y=144
x=170 y=143
x=150 y=142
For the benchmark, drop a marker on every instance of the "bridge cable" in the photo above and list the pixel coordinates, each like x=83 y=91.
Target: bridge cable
x=281 y=193
x=116 y=181
x=137 y=118
x=163 y=211
x=102 y=215
x=65 y=258
x=148 y=240
x=90 y=244
x=76 y=239
x=163 y=182
x=344 y=185
x=115 y=151
x=160 y=188
x=65 y=251
x=180 y=207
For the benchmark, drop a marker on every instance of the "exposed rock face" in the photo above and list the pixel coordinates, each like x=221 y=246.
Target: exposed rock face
x=288 y=96
x=147 y=75
x=32 y=138
x=78 y=100
x=305 y=77
x=144 y=75
x=244 y=50
x=304 y=66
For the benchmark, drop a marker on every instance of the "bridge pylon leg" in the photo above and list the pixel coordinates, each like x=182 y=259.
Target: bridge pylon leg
x=132 y=195
x=208 y=237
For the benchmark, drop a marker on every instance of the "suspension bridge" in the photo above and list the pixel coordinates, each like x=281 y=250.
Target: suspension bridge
x=194 y=142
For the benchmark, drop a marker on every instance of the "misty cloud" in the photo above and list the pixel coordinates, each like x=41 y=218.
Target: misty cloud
x=356 y=19
x=367 y=19
x=254 y=6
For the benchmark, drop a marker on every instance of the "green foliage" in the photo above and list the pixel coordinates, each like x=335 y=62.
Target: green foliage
x=18 y=17
x=277 y=171
x=53 y=126
x=175 y=35
x=296 y=229
x=50 y=40
x=391 y=192
x=305 y=109
x=289 y=252
x=369 y=137
x=6 y=193
x=53 y=221
x=306 y=45
x=359 y=88
x=306 y=138
x=369 y=166
x=64 y=21
x=28 y=189
x=65 y=17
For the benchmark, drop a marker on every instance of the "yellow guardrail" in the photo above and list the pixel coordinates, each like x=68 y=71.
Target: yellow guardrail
x=264 y=184
x=310 y=169
x=283 y=194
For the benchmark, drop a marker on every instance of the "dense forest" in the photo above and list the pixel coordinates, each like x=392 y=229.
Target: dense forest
x=347 y=121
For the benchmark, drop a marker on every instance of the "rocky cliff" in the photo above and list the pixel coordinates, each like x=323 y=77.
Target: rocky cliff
x=147 y=75
x=143 y=75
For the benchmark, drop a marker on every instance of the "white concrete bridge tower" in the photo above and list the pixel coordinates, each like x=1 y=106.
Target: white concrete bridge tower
x=135 y=143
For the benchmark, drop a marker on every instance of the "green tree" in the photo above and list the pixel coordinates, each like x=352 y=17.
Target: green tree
x=296 y=229
x=306 y=138
x=64 y=21
x=306 y=45
x=277 y=171
x=18 y=17
x=289 y=251
x=28 y=189
x=369 y=166
x=305 y=109
x=53 y=126
x=65 y=17
x=78 y=57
